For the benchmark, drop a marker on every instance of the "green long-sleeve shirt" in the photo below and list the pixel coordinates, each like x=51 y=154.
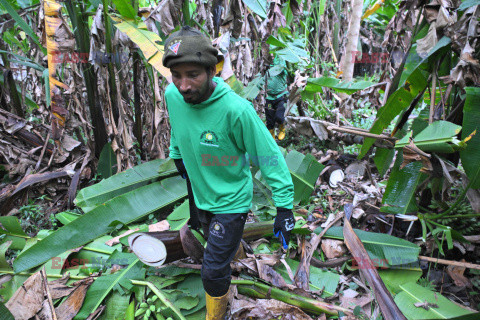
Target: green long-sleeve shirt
x=213 y=139
x=277 y=79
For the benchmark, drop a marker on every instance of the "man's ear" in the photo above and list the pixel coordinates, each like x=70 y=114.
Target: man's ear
x=213 y=71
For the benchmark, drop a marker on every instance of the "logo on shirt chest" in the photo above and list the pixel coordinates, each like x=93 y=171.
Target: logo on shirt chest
x=209 y=138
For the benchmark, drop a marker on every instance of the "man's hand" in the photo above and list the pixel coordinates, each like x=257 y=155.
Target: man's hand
x=283 y=225
x=181 y=168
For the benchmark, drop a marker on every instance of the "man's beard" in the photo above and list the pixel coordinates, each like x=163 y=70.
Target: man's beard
x=198 y=96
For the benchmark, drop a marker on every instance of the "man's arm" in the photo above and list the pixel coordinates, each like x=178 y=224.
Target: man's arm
x=174 y=150
x=252 y=136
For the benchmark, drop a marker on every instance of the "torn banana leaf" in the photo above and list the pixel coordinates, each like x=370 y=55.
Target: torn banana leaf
x=304 y=169
x=320 y=280
x=440 y=136
x=133 y=178
x=397 y=276
x=471 y=118
x=149 y=42
x=123 y=209
x=11 y=228
x=417 y=302
x=317 y=85
x=383 y=249
x=118 y=281
x=399 y=197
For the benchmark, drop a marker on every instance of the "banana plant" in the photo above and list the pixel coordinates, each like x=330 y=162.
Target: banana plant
x=53 y=23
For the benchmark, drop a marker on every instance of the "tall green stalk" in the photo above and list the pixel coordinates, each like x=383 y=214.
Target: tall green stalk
x=82 y=38
x=111 y=58
x=136 y=101
x=336 y=27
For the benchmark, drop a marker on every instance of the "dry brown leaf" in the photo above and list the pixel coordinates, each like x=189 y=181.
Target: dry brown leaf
x=456 y=273
x=388 y=307
x=70 y=307
x=28 y=299
x=59 y=289
x=425 y=305
x=262 y=309
x=159 y=226
x=46 y=312
x=333 y=248
x=412 y=153
x=267 y=273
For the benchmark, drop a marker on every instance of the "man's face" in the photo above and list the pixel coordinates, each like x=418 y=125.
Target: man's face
x=194 y=81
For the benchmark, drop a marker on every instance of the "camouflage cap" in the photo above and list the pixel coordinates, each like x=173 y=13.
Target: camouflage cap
x=188 y=45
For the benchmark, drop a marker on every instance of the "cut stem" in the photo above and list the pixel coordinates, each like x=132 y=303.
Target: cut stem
x=262 y=291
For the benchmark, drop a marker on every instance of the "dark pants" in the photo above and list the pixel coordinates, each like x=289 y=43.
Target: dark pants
x=275 y=112
x=224 y=232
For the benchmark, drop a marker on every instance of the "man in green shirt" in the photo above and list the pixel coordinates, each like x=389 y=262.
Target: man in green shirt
x=214 y=135
x=277 y=94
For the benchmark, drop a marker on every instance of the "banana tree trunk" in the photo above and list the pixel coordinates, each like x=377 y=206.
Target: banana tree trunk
x=157 y=248
x=80 y=26
x=53 y=23
x=348 y=60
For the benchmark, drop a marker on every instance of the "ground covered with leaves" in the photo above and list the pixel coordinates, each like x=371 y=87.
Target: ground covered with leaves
x=83 y=265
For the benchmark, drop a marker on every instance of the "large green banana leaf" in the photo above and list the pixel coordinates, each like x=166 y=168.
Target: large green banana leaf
x=323 y=280
x=13 y=232
x=317 y=84
x=413 y=81
x=105 y=284
x=396 y=276
x=257 y=6
x=471 y=122
x=116 y=307
x=383 y=249
x=395 y=104
x=305 y=170
x=401 y=188
x=4 y=266
x=440 y=137
x=414 y=62
x=413 y=293
x=125 y=209
x=131 y=179
x=5 y=313
x=125 y=9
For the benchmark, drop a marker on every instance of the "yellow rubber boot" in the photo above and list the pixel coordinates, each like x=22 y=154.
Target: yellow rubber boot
x=216 y=307
x=281 y=133
x=272 y=132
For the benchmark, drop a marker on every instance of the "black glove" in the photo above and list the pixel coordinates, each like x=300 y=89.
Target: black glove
x=181 y=168
x=283 y=225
